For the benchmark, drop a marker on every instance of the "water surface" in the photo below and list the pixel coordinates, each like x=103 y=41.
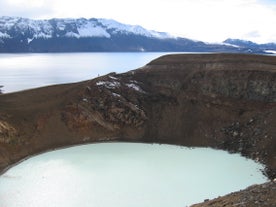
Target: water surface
x=124 y=175
x=31 y=70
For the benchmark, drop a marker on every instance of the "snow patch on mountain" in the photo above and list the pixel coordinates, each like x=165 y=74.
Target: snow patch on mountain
x=4 y=35
x=228 y=44
x=271 y=51
x=117 y=27
x=77 y=28
x=91 y=30
x=72 y=34
x=6 y=23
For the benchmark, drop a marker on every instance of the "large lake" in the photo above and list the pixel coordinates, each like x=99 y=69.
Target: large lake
x=126 y=175
x=30 y=70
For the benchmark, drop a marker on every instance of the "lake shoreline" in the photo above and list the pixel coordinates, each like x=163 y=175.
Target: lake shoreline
x=157 y=166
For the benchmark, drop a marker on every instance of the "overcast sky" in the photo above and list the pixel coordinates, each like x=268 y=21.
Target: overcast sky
x=206 y=20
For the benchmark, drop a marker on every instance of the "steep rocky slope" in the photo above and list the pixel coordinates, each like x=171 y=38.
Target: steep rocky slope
x=225 y=101
x=257 y=195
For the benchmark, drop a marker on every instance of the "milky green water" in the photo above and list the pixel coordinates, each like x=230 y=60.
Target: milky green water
x=126 y=175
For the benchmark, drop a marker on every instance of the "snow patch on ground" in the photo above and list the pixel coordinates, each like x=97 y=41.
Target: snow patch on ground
x=85 y=99
x=116 y=94
x=135 y=87
x=109 y=84
x=112 y=77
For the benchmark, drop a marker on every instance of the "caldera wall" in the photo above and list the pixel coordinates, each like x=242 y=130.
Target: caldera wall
x=225 y=101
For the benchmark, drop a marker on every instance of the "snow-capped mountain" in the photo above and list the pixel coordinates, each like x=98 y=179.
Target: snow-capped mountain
x=268 y=47
x=21 y=34
x=101 y=35
x=78 y=28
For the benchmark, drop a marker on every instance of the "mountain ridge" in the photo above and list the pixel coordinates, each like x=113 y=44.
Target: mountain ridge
x=19 y=34
x=252 y=45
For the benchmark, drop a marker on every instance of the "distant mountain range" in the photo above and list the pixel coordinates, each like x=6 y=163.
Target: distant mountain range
x=103 y=35
x=252 y=46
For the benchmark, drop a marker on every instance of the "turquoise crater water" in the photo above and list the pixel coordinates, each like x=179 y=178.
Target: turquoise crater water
x=126 y=174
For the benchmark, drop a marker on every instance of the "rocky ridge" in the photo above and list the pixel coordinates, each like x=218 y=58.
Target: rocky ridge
x=224 y=101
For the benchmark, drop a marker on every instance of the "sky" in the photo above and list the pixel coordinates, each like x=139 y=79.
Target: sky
x=205 y=20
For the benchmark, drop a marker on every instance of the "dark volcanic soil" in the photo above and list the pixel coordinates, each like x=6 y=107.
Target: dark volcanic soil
x=256 y=195
x=225 y=101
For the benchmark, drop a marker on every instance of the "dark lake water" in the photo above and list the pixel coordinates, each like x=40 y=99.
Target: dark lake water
x=126 y=174
x=25 y=71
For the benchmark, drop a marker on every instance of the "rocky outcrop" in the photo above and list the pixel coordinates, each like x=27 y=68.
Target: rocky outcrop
x=7 y=132
x=225 y=101
x=257 y=195
x=111 y=103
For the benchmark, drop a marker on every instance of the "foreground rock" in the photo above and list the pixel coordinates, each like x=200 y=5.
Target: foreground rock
x=224 y=101
x=257 y=195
